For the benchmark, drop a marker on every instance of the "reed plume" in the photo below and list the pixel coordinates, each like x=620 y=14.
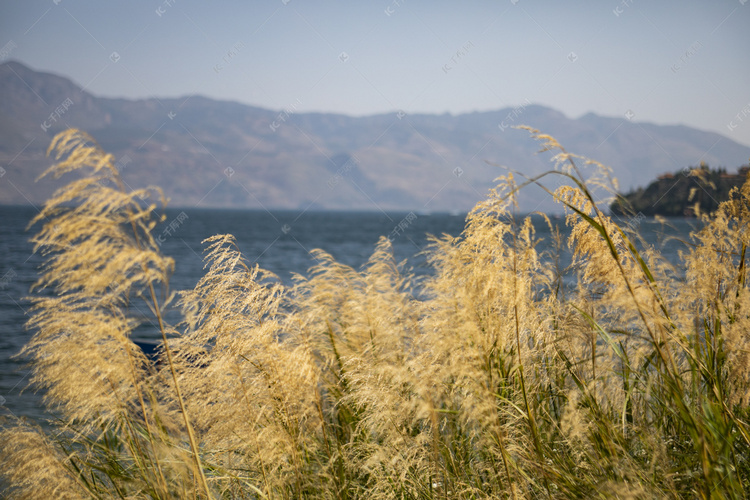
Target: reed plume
x=503 y=374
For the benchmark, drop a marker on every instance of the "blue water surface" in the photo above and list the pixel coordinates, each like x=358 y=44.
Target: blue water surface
x=278 y=241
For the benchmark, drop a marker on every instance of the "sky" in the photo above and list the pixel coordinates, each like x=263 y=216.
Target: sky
x=665 y=62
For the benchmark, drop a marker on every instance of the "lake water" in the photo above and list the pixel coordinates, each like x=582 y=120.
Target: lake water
x=278 y=241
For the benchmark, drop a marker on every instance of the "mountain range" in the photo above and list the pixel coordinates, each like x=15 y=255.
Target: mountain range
x=210 y=153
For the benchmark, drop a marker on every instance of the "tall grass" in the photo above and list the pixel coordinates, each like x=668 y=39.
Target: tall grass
x=492 y=381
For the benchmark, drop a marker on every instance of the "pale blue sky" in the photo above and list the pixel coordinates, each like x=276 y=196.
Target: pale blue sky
x=668 y=62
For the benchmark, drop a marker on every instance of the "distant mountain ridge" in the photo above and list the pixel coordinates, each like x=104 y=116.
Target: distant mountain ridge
x=210 y=153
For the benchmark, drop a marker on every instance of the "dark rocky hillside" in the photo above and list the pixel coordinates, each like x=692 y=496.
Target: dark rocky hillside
x=683 y=193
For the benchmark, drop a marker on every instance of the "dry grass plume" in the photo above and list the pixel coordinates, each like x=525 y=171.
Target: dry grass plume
x=494 y=380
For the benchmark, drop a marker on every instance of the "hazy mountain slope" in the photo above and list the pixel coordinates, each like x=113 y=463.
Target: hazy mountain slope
x=204 y=152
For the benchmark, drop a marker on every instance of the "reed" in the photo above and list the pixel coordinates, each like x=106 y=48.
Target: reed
x=489 y=379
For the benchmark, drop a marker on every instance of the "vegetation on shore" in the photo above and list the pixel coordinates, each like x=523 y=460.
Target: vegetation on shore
x=496 y=380
x=689 y=192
